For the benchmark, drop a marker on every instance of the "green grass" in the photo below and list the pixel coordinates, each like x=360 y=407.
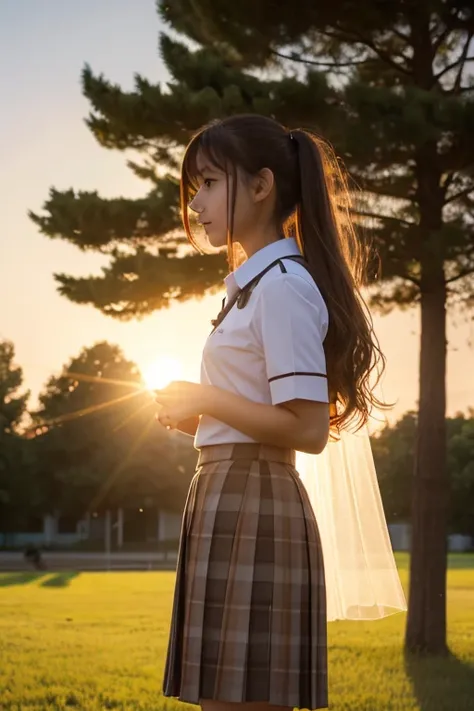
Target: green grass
x=98 y=641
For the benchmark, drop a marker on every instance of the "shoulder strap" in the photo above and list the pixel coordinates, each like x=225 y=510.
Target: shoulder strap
x=246 y=292
x=295 y=258
x=243 y=295
x=224 y=311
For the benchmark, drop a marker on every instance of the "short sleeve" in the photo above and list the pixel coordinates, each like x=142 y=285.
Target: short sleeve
x=293 y=322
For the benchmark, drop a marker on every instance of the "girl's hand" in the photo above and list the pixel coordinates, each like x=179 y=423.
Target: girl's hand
x=173 y=418
x=180 y=400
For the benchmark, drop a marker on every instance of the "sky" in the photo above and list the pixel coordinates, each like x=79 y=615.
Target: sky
x=45 y=143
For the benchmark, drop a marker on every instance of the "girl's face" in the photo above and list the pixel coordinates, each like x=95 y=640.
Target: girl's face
x=210 y=202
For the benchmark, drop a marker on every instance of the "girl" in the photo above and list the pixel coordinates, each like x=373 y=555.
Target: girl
x=285 y=368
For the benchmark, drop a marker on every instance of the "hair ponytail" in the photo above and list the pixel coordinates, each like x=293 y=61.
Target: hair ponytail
x=338 y=260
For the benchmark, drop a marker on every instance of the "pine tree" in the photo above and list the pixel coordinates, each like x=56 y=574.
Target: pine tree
x=12 y=403
x=387 y=81
x=13 y=470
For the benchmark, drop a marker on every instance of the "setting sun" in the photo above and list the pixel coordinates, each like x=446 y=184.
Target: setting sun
x=160 y=373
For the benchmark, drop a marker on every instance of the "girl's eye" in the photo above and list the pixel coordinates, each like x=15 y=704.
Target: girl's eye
x=207 y=182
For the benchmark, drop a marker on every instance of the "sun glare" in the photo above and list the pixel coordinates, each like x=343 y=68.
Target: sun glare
x=160 y=373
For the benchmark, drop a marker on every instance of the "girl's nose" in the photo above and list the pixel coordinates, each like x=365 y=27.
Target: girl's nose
x=194 y=206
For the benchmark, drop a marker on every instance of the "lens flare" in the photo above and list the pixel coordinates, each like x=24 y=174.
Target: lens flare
x=162 y=372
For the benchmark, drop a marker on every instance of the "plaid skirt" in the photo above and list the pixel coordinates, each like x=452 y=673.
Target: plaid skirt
x=249 y=609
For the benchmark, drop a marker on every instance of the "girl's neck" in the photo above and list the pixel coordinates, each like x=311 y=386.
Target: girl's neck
x=255 y=245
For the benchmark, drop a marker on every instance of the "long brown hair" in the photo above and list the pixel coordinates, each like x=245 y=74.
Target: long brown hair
x=313 y=205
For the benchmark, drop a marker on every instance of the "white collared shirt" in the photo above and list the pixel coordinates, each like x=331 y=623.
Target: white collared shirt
x=270 y=351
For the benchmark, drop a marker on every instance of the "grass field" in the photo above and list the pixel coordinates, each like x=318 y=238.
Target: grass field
x=98 y=641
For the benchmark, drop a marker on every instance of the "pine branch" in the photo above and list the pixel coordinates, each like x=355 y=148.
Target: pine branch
x=347 y=36
x=384 y=56
x=390 y=218
x=384 y=190
x=412 y=279
x=453 y=65
x=457 y=83
x=313 y=62
x=460 y=194
x=460 y=275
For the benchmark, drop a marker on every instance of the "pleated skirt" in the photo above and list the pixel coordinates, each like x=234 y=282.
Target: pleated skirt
x=248 y=620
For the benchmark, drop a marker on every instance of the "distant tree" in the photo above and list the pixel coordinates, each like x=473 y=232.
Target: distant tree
x=13 y=456
x=394 y=453
x=461 y=468
x=12 y=402
x=97 y=443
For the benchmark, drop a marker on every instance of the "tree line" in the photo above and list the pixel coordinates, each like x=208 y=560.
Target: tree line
x=92 y=442
x=394 y=450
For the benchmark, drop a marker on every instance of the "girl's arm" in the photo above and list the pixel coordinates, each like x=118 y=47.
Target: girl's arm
x=297 y=424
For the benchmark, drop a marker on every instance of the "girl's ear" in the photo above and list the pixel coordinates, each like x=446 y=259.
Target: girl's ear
x=262 y=184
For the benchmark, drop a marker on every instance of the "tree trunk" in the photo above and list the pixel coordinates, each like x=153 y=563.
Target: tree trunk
x=426 y=624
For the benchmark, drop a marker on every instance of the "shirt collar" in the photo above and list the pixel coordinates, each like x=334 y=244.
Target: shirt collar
x=286 y=247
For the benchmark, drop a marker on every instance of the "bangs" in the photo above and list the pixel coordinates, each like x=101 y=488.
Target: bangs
x=210 y=144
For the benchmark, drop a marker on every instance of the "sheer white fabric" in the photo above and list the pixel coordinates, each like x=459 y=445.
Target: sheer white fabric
x=362 y=580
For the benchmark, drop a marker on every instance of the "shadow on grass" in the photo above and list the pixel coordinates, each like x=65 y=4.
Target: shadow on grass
x=441 y=683
x=23 y=578
x=59 y=580
x=44 y=578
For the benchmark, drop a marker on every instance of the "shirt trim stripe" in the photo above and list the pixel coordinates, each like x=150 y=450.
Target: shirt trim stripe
x=289 y=375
